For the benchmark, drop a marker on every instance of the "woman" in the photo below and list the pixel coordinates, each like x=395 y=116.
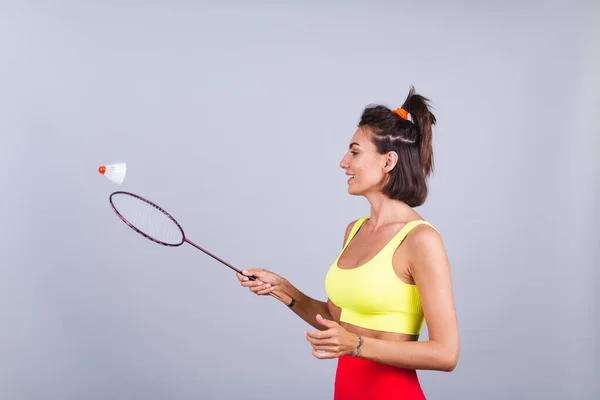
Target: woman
x=392 y=273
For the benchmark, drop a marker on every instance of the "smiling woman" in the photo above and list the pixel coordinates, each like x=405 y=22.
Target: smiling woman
x=392 y=274
x=407 y=145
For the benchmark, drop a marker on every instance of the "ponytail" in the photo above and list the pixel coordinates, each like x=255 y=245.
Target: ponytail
x=419 y=109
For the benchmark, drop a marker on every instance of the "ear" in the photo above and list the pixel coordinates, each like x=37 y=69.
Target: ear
x=391 y=159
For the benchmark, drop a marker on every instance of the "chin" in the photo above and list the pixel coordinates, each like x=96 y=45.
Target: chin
x=354 y=192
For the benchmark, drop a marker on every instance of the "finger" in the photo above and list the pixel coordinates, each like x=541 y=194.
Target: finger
x=261 y=288
x=320 y=334
x=250 y=284
x=323 y=355
x=254 y=274
x=327 y=348
x=254 y=286
x=257 y=282
x=254 y=271
x=257 y=285
x=265 y=291
x=328 y=341
x=326 y=322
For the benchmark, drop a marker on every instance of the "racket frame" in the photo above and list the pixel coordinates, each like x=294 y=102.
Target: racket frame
x=184 y=239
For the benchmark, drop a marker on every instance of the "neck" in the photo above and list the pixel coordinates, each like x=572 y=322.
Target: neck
x=385 y=210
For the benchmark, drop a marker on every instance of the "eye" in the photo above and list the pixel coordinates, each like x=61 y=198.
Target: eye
x=354 y=153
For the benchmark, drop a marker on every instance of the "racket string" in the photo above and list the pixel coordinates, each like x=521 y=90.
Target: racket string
x=148 y=219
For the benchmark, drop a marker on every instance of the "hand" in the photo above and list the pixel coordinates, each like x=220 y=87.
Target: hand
x=265 y=283
x=333 y=342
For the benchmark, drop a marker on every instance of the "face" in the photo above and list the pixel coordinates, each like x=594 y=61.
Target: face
x=366 y=168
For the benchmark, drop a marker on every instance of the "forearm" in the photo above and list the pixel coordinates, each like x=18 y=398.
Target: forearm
x=306 y=307
x=425 y=355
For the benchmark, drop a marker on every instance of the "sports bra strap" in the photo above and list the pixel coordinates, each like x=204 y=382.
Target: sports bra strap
x=355 y=229
x=402 y=233
x=396 y=240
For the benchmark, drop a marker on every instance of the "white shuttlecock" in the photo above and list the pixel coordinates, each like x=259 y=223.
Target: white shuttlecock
x=114 y=172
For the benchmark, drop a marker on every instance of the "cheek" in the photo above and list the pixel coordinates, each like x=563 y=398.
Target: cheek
x=370 y=172
x=366 y=166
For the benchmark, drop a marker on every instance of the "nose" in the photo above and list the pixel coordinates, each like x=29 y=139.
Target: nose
x=344 y=162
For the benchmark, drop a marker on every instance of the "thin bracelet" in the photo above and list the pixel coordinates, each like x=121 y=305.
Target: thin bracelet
x=358 y=348
x=292 y=303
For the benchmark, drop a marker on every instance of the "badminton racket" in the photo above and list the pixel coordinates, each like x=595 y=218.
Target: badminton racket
x=157 y=225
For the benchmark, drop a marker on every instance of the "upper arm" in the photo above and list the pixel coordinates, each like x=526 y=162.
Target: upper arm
x=430 y=270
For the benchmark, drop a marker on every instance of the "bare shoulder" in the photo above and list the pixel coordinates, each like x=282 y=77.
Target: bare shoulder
x=426 y=247
x=424 y=235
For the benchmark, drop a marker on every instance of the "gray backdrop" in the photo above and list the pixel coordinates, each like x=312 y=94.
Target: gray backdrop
x=234 y=117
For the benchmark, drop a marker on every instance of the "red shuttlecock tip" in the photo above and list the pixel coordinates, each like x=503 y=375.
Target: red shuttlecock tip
x=102 y=169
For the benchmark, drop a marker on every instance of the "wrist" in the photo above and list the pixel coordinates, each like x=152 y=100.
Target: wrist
x=291 y=295
x=358 y=348
x=286 y=286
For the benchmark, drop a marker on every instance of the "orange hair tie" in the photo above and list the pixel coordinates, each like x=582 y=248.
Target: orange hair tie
x=402 y=113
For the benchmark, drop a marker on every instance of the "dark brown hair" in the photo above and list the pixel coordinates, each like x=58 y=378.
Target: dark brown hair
x=412 y=141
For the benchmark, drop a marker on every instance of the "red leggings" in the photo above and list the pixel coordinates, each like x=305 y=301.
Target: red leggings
x=361 y=379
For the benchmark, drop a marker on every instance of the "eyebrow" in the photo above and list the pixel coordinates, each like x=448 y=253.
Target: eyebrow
x=353 y=144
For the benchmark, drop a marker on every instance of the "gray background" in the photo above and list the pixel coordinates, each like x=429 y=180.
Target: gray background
x=234 y=118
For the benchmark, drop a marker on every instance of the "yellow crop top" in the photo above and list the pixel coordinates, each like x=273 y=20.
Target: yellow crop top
x=371 y=295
